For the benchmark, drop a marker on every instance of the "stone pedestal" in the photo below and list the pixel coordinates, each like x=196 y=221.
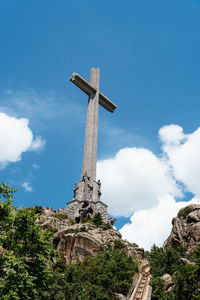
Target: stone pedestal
x=87 y=189
x=86 y=202
x=81 y=209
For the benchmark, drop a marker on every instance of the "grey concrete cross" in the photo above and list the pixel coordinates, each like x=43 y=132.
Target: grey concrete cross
x=87 y=192
x=95 y=98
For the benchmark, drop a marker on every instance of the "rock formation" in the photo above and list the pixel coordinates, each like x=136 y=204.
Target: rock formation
x=168 y=282
x=185 y=228
x=81 y=240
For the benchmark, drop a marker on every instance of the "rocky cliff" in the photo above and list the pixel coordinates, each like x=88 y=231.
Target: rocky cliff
x=185 y=228
x=80 y=240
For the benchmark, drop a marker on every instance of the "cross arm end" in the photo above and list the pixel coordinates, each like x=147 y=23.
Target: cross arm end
x=106 y=103
x=83 y=84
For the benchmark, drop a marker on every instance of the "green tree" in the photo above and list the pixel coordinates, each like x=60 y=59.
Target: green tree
x=157 y=285
x=185 y=277
x=30 y=268
x=26 y=253
x=101 y=276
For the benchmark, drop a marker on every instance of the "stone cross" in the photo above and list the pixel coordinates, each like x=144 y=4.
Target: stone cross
x=95 y=98
x=87 y=191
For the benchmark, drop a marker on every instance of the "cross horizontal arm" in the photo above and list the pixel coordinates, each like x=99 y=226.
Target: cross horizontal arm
x=87 y=88
x=83 y=84
x=106 y=103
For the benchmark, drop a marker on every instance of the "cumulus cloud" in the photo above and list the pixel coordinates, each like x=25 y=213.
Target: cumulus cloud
x=27 y=186
x=15 y=138
x=171 y=135
x=153 y=225
x=184 y=159
x=139 y=183
x=133 y=180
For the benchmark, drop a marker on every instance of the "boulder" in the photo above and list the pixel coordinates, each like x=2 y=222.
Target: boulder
x=81 y=240
x=168 y=282
x=185 y=228
x=186 y=261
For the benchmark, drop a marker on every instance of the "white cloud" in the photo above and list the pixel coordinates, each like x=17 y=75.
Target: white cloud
x=184 y=157
x=40 y=106
x=15 y=138
x=153 y=225
x=136 y=182
x=171 y=134
x=37 y=144
x=133 y=180
x=27 y=186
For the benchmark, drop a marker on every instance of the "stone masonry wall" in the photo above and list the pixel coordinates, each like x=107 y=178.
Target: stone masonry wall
x=76 y=209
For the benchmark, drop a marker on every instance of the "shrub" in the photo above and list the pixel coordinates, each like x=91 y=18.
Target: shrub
x=60 y=216
x=119 y=245
x=106 y=226
x=52 y=229
x=86 y=220
x=83 y=229
x=184 y=212
x=97 y=220
x=72 y=221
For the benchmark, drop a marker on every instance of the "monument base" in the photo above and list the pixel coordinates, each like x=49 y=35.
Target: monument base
x=78 y=209
x=86 y=202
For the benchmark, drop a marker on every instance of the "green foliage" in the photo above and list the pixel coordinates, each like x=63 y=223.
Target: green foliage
x=101 y=276
x=60 y=216
x=185 y=277
x=187 y=282
x=163 y=262
x=106 y=226
x=83 y=229
x=184 y=212
x=6 y=192
x=157 y=288
x=80 y=229
x=26 y=255
x=30 y=268
x=118 y=245
x=72 y=221
x=86 y=220
x=52 y=229
x=97 y=220
x=38 y=209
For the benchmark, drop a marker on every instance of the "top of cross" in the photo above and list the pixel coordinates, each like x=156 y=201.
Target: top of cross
x=89 y=89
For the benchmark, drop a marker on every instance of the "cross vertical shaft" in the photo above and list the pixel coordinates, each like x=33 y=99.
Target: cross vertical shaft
x=91 y=132
x=87 y=191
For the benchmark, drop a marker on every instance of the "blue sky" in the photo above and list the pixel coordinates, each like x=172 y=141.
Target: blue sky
x=148 y=55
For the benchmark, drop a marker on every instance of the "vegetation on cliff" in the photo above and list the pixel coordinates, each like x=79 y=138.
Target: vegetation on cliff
x=185 y=276
x=100 y=276
x=30 y=267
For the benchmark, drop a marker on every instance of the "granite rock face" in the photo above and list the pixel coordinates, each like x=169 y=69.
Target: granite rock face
x=54 y=220
x=168 y=282
x=81 y=240
x=185 y=228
